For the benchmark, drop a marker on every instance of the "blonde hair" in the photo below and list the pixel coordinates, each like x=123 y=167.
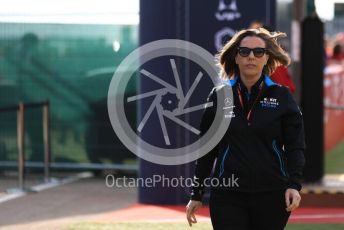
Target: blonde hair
x=277 y=56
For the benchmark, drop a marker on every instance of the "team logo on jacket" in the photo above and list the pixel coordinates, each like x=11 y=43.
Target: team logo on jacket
x=229 y=114
x=269 y=102
x=228 y=108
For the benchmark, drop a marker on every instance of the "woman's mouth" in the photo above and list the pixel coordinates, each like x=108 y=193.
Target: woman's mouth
x=250 y=66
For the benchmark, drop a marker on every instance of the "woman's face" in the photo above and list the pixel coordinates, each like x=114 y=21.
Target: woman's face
x=251 y=66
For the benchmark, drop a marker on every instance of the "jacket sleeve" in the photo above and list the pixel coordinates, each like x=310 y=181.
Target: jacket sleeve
x=294 y=142
x=205 y=164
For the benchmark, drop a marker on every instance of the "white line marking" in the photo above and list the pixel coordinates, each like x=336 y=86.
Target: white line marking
x=38 y=188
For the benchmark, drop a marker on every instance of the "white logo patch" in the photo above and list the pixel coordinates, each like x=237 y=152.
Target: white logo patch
x=230 y=114
x=269 y=102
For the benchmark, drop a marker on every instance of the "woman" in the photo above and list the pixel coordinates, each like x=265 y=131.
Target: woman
x=263 y=147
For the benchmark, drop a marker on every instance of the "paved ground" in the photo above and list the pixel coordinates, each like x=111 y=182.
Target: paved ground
x=58 y=207
x=9 y=180
x=176 y=213
x=90 y=200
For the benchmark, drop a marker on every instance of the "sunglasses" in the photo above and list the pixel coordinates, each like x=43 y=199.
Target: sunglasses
x=257 y=52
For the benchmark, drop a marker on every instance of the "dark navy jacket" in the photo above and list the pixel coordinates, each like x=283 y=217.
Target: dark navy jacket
x=264 y=153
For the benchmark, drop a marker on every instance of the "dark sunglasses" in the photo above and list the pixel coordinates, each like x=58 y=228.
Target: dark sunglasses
x=257 y=52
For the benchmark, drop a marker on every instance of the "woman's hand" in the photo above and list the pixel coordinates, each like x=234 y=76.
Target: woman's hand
x=292 y=199
x=191 y=208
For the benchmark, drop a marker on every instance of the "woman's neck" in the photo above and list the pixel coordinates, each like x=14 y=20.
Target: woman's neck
x=249 y=81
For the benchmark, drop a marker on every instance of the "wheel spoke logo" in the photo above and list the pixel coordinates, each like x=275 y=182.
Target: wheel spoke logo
x=170 y=102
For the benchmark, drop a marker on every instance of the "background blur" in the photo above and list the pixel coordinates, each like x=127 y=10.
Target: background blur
x=66 y=52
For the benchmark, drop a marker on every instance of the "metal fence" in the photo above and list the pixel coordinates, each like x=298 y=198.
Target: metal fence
x=20 y=109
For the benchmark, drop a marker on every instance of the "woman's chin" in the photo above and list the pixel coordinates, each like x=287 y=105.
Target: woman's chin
x=251 y=74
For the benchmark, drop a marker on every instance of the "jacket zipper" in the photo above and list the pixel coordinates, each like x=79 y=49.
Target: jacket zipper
x=279 y=156
x=222 y=166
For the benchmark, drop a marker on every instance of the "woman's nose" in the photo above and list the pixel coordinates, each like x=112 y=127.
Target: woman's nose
x=251 y=55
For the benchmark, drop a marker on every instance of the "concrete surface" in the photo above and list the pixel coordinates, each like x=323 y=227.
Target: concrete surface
x=59 y=207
